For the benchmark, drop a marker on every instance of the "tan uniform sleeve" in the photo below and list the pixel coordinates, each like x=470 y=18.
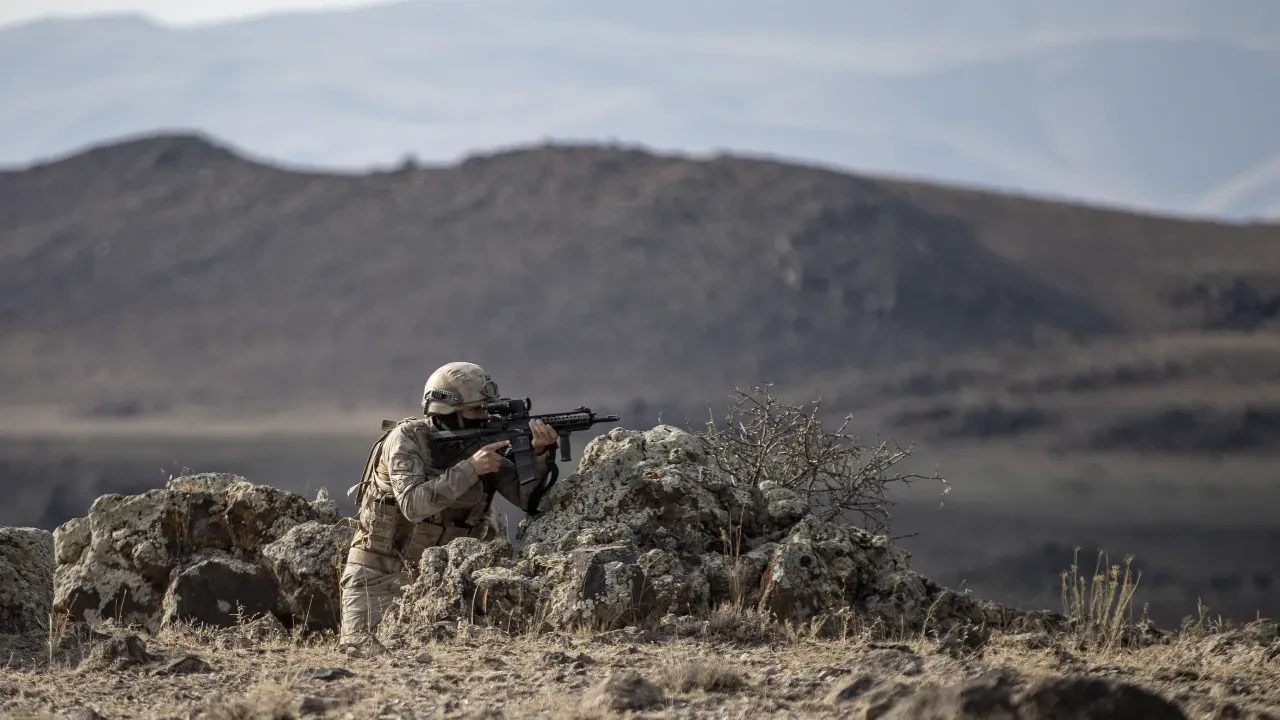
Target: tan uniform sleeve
x=421 y=490
x=509 y=486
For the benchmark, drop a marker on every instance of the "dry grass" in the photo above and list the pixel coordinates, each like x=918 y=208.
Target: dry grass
x=513 y=677
x=708 y=674
x=735 y=666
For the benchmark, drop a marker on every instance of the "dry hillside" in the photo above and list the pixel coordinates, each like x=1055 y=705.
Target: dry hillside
x=172 y=272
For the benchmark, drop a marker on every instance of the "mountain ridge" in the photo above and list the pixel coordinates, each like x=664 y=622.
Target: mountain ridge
x=1050 y=101
x=199 y=277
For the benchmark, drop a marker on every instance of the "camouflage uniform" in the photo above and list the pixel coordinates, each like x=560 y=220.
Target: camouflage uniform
x=410 y=499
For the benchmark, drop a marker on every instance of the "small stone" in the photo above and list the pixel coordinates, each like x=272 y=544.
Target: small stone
x=423 y=658
x=327 y=674
x=312 y=705
x=618 y=691
x=828 y=673
x=851 y=690
x=185 y=665
x=119 y=652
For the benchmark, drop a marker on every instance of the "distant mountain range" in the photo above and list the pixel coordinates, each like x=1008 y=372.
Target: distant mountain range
x=1170 y=105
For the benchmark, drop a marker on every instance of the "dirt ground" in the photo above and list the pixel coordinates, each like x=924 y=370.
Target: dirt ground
x=244 y=673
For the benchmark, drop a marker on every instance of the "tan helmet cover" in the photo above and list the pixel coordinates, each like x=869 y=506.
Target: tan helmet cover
x=457 y=386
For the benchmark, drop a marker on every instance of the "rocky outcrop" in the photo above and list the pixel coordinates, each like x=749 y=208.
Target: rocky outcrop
x=26 y=579
x=208 y=548
x=649 y=527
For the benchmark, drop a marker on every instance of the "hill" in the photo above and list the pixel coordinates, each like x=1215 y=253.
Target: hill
x=171 y=271
x=1158 y=105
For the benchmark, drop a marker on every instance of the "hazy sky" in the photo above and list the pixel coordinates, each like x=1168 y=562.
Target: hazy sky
x=175 y=12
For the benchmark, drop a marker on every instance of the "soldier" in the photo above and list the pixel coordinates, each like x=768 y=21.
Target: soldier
x=410 y=499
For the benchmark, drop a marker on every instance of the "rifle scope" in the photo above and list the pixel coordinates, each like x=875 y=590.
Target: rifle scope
x=508 y=406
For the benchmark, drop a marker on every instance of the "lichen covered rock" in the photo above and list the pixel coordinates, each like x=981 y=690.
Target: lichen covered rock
x=307 y=564
x=204 y=548
x=26 y=579
x=649 y=527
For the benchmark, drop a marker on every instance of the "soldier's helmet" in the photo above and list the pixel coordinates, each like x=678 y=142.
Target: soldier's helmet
x=457 y=386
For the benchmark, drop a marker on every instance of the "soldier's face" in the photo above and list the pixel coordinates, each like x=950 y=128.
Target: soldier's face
x=474 y=414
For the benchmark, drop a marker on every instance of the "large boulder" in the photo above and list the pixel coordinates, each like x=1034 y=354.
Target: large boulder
x=26 y=579
x=648 y=527
x=208 y=548
x=306 y=563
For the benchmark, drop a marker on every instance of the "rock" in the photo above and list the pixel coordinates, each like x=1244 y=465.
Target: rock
x=445 y=589
x=672 y=586
x=306 y=565
x=850 y=690
x=821 y=566
x=70 y=540
x=185 y=665
x=894 y=661
x=325 y=507
x=220 y=591
x=211 y=483
x=313 y=705
x=117 y=653
x=599 y=587
x=880 y=700
x=122 y=571
x=131 y=556
x=620 y=691
x=259 y=514
x=327 y=674
x=1077 y=696
x=987 y=699
x=650 y=528
x=26 y=579
x=783 y=507
x=655 y=483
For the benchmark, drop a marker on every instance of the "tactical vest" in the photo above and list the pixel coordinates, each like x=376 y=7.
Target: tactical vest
x=385 y=539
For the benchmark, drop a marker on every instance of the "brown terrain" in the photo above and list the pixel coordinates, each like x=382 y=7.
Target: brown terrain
x=212 y=674
x=1082 y=376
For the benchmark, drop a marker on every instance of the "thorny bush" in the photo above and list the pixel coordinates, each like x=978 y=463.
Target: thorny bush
x=766 y=440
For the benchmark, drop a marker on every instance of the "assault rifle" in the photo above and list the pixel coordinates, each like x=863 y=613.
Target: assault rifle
x=509 y=420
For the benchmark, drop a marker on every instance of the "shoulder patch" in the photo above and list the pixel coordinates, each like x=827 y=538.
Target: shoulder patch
x=405 y=464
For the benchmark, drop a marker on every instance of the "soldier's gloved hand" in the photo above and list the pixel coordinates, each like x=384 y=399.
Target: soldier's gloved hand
x=486 y=459
x=544 y=436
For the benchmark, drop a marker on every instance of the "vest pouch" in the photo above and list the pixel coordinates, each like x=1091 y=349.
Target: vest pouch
x=380 y=520
x=425 y=535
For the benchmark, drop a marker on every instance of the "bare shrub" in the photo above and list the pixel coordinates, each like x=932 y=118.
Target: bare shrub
x=765 y=439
